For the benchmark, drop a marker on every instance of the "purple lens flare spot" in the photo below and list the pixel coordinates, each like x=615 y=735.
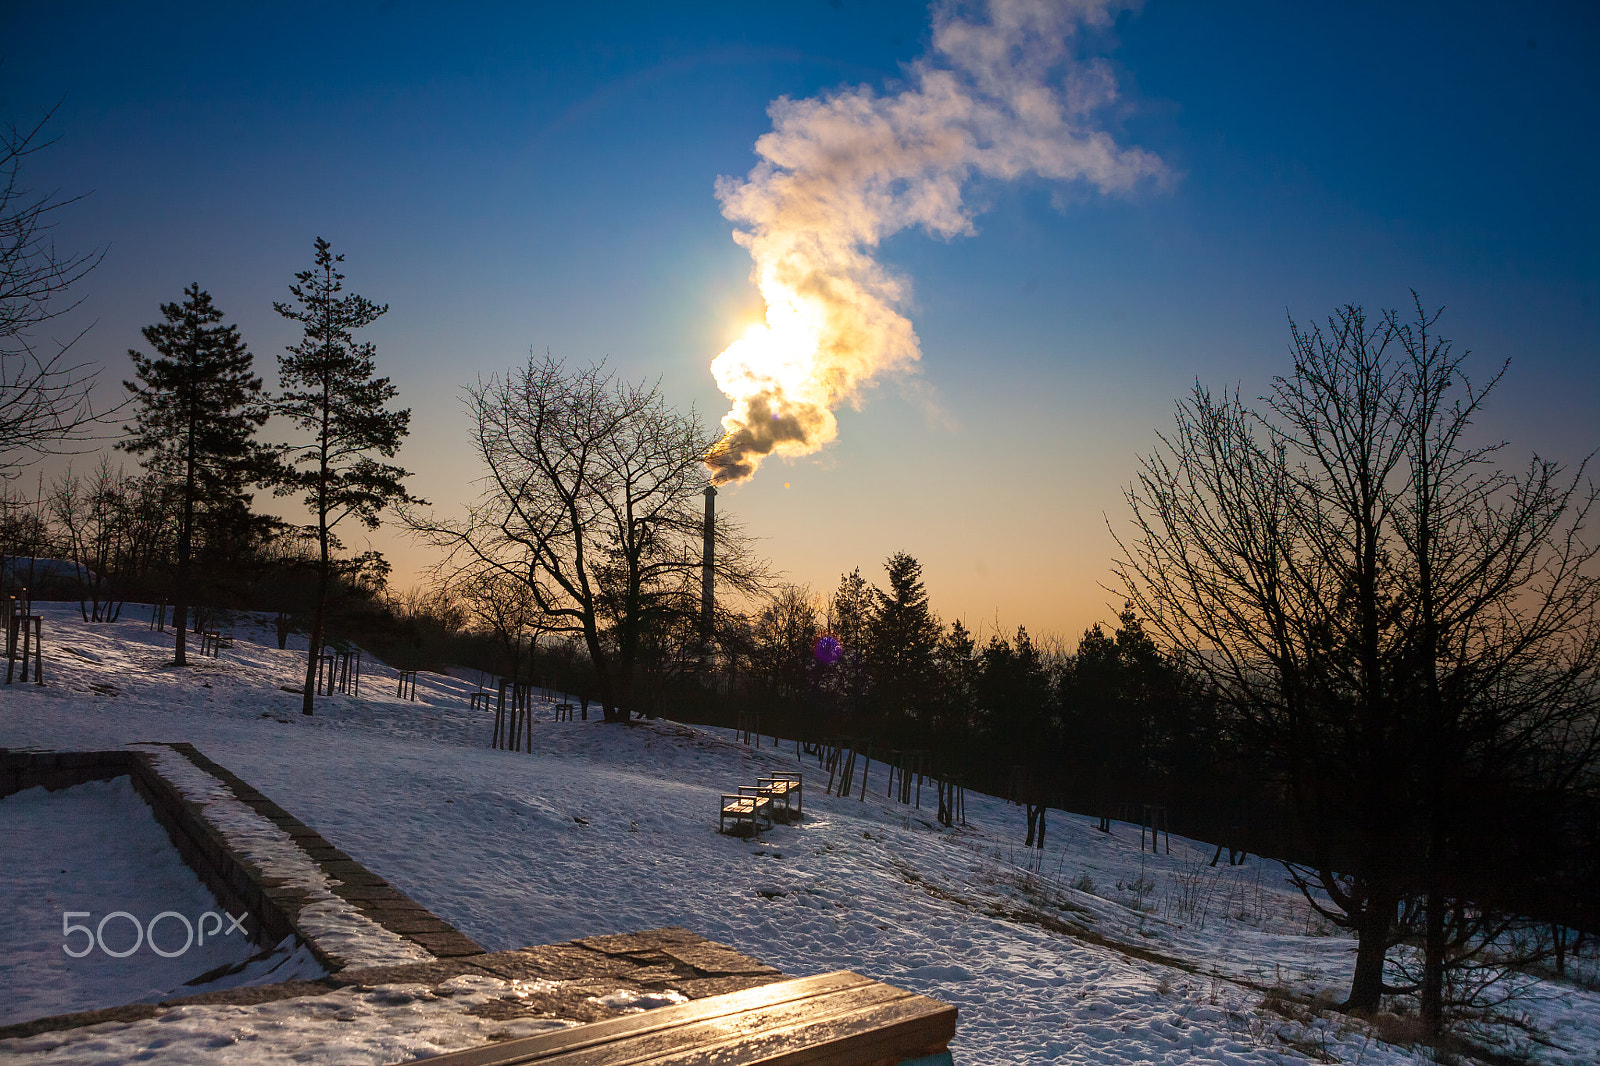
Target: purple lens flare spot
x=828 y=650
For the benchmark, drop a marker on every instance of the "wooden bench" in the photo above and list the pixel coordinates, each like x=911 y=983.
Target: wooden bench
x=564 y=712
x=839 y=1018
x=212 y=643
x=744 y=808
x=784 y=785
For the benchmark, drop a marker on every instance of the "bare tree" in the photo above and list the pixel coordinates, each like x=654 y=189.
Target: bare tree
x=1393 y=624
x=25 y=537
x=44 y=395
x=784 y=636
x=504 y=607
x=592 y=501
x=94 y=516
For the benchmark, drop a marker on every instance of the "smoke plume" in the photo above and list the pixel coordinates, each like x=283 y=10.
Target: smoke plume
x=998 y=98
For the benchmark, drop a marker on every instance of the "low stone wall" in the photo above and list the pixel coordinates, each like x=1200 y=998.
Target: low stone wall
x=370 y=894
x=236 y=887
x=238 y=883
x=59 y=769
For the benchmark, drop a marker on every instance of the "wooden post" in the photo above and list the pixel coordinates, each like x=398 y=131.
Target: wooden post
x=516 y=717
x=522 y=694
x=32 y=641
x=350 y=672
x=500 y=735
x=749 y=725
x=847 y=770
x=13 y=613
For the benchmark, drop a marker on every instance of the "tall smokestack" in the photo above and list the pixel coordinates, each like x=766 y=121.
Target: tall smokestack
x=708 y=563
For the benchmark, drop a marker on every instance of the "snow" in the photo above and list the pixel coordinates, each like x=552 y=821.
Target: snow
x=336 y=926
x=94 y=849
x=1094 y=951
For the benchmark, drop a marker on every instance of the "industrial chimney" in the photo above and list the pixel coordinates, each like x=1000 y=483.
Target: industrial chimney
x=708 y=564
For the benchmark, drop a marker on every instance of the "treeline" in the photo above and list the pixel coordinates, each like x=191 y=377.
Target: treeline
x=1110 y=721
x=107 y=538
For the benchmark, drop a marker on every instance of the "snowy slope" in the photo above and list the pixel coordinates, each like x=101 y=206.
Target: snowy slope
x=1151 y=958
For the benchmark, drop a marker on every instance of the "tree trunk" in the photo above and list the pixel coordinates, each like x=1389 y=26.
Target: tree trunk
x=1433 y=961
x=317 y=617
x=1372 y=932
x=180 y=598
x=611 y=683
x=316 y=644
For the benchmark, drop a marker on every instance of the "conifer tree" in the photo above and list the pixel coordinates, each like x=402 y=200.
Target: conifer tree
x=905 y=637
x=850 y=614
x=199 y=406
x=329 y=391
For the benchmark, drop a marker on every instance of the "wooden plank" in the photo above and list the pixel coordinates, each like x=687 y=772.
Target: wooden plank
x=598 y=1034
x=719 y=1035
x=807 y=1020
x=886 y=1033
x=854 y=1028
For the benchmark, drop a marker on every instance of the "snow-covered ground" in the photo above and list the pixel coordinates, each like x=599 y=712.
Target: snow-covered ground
x=1093 y=951
x=91 y=851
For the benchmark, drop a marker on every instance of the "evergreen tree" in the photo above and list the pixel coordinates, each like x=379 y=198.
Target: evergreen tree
x=329 y=390
x=1016 y=702
x=850 y=620
x=956 y=661
x=1128 y=714
x=199 y=406
x=905 y=637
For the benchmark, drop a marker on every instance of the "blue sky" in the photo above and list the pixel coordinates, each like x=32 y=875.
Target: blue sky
x=525 y=176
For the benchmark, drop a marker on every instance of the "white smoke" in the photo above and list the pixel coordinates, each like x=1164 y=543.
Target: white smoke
x=999 y=98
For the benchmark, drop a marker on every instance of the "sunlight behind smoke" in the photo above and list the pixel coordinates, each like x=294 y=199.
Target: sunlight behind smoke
x=837 y=175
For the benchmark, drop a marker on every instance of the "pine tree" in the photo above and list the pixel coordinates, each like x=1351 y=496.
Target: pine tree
x=850 y=614
x=905 y=637
x=958 y=669
x=1016 y=702
x=199 y=407
x=329 y=391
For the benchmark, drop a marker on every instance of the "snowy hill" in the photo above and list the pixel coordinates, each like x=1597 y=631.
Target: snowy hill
x=1093 y=951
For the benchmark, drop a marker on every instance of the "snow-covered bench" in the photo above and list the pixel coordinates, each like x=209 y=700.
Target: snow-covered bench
x=744 y=808
x=839 y=1018
x=212 y=643
x=783 y=785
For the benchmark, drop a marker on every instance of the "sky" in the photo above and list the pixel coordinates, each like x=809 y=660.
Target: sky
x=516 y=178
